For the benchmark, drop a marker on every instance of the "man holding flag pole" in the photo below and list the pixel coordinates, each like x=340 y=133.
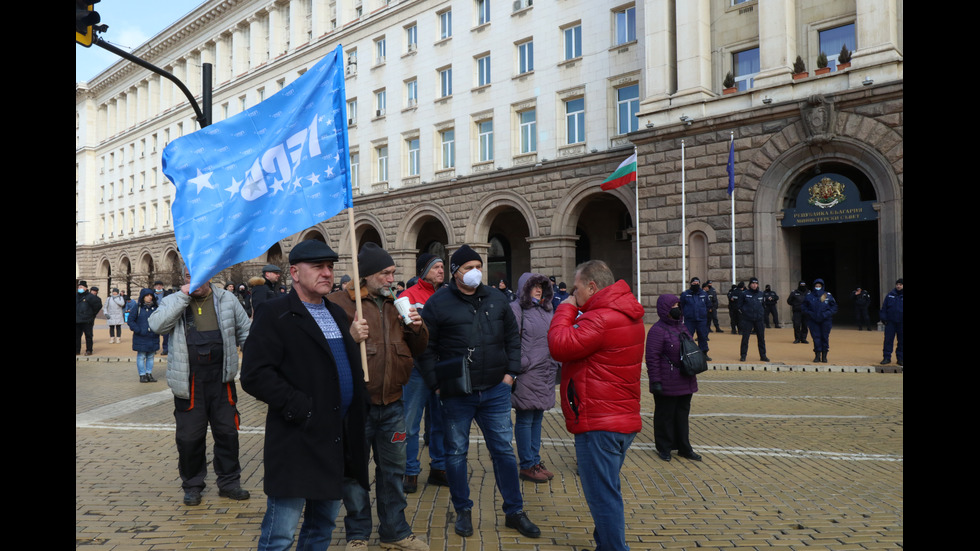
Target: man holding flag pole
x=243 y=184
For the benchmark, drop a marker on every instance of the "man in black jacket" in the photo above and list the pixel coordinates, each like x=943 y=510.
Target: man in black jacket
x=270 y=287
x=470 y=320
x=752 y=313
x=301 y=360
x=87 y=306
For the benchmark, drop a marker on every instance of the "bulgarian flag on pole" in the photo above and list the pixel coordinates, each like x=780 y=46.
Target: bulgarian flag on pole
x=625 y=174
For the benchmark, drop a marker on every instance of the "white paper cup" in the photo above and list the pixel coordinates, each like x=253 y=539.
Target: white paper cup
x=402 y=304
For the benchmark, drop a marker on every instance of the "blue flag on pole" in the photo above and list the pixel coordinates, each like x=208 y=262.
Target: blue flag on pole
x=273 y=170
x=731 y=167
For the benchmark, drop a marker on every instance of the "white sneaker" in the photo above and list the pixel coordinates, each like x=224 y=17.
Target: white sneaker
x=411 y=543
x=357 y=545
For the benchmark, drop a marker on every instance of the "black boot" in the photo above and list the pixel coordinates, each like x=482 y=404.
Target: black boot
x=823 y=356
x=816 y=356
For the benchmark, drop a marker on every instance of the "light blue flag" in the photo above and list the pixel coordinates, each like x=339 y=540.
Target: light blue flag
x=271 y=171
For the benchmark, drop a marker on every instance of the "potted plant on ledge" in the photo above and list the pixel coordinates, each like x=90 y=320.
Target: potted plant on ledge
x=728 y=85
x=843 y=58
x=822 y=68
x=799 y=69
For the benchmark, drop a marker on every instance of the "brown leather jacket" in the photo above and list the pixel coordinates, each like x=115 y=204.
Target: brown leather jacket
x=390 y=345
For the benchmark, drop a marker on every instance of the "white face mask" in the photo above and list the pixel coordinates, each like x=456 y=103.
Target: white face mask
x=473 y=278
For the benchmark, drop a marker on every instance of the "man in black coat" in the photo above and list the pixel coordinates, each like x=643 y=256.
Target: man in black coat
x=300 y=359
x=87 y=306
x=467 y=319
x=795 y=300
x=269 y=289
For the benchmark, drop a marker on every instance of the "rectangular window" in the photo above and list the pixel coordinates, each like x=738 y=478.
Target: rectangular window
x=525 y=57
x=412 y=93
x=448 y=148
x=380 y=51
x=573 y=42
x=745 y=65
x=351 y=112
x=485 y=131
x=627 y=107
x=413 y=157
x=446 y=24
x=355 y=163
x=831 y=41
x=382 y=163
x=381 y=100
x=482 y=11
x=446 y=82
x=575 y=121
x=626 y=25
x=411 y=38
x=529 y=131
x=483 y=70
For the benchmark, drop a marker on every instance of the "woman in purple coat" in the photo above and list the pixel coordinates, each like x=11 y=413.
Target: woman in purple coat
x=672 y=390
x=534 y=388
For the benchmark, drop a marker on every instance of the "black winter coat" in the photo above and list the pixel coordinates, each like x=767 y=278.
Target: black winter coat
x=287 y=363
x=449 y=316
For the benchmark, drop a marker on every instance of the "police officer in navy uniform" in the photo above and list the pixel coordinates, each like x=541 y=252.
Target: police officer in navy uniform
x=694 y=305
x=712 y=306
x=819 y=306
x=752 y=313
x=770 y=300
x=795 y=300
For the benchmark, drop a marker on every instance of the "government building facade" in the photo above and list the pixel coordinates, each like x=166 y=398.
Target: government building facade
x=493 y=123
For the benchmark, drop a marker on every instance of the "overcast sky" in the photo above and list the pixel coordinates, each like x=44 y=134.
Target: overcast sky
x=131 y=23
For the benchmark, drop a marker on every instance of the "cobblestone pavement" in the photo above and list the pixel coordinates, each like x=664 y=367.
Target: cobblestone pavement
x=796 y=456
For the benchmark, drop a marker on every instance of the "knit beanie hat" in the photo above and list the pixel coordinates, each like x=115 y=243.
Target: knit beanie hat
x=425 y=263
x=462 y=255
x=372 y=259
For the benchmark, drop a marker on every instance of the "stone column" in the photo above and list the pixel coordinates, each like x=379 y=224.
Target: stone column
x=777 y=42
x=693 y=51
x=877 y=34
x=658 y=41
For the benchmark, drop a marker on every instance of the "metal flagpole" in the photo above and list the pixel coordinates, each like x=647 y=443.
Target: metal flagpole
x=731 y=143
x=683 y=220
x=638 y=295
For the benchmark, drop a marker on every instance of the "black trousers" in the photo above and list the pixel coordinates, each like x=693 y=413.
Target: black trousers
x=760 y=335
x=799 y=326
x=84 y=328
x=670 y=423
x=212 y=402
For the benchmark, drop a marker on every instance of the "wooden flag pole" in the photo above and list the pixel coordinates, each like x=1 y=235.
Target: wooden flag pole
x=356 y=281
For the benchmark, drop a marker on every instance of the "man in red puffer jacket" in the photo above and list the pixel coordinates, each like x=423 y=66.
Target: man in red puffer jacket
x=601 y=351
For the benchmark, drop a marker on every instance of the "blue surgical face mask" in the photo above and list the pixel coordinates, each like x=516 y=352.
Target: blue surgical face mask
x=81 y=290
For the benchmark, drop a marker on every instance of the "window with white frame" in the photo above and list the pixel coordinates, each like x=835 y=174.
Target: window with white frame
x=831 y=41
x=745 y=65
x=482 y=12
x=484 y=131
x=625 y=25
x=528 y=130
x=575 y=121
x=572 y=38
x=483 y=70
x=448 y=139
x=380 y=102
x=355 y=164
x=413 y=156
x=411 y=92
x=411 y=38
x=446 y=24
x=382 y=154
x=352 y=112
x=446 y=82
x=380 y=51
x=525 y=57
x=627 y=107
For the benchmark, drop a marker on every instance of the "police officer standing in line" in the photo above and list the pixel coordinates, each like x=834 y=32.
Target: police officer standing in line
x=712 y=306
x=795 y=300
x=752 y=312
x=861 y=302
x=733 y=294
x=694 y=305
x=770 y=301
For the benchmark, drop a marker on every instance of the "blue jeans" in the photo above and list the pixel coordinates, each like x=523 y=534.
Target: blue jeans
x=281 y=516
x=417 y=396
x=144 y=363
x=385 y=433
x=491 y=410
x=600 y=457
x=527 y=433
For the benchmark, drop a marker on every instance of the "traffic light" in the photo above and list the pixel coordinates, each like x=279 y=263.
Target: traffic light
x=86 y=22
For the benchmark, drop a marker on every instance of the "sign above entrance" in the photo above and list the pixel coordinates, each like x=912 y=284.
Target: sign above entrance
x=828 y=199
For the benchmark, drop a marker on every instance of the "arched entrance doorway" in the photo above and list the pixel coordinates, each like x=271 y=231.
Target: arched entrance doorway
x=605 y=232
x=832 y=228
x=509 y=254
